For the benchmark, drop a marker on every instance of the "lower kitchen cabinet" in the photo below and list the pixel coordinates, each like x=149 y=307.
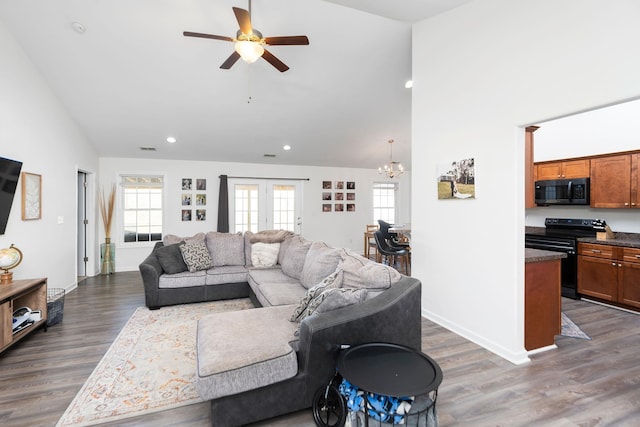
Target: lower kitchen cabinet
x=609 y=273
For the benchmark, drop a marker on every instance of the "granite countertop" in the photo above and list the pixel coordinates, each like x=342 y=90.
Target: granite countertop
x=538 y=255
x=629 y=240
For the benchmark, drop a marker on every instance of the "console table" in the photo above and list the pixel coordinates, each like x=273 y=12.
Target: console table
x=21 y=293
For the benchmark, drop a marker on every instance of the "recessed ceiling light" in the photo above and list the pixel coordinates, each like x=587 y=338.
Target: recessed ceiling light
x=171 y=140
x=78 y=27
x=409 y=84
x=286 y=148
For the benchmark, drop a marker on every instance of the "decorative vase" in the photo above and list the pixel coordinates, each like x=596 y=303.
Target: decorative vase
x=107 y=257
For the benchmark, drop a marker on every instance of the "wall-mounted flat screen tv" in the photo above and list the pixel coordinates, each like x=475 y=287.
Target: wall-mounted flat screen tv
x=9 y=175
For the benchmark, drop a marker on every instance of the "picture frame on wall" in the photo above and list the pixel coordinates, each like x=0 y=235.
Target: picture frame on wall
x=186 y=200
x=186 y=183
x=201 y=199
x=31 y=196
x=201 y=184
x=456 y=179
x=326 y=207
x=339 y=207
x=326 y=185
x=201 y=214
x=186 y=214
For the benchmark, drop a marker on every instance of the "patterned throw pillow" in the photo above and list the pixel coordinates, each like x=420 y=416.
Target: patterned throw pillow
x=196 y=256
x=334 y=280
x=264 y=254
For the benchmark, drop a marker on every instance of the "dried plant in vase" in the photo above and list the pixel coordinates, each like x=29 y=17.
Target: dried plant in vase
x=107 y=250
x=106 y=210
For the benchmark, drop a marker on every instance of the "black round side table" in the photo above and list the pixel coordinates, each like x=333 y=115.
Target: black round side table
x=390 y=370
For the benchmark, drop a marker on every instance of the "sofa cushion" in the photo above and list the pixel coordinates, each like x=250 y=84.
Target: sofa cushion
x=196 y=256
x=264 y=254
x=226 y=274
x=293 y=261
x=170 y=239
x=182 y=280
x=226 y=248
x=360 y=272
x=334 y=280
x=170 y=258
x=284 y=245
x=321 y=261
x=272 y=287
x=244 y=350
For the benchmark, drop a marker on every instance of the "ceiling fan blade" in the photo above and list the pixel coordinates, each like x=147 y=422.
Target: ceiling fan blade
x=271 y=59
x=244 y=20
x=207 y=36
x=287 y=40
x=230 y=60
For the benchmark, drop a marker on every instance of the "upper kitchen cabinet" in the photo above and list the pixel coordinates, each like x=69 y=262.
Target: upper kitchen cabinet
x=615 y=181
x=563 y=169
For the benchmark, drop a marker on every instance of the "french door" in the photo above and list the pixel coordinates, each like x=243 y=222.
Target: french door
x=258 y=204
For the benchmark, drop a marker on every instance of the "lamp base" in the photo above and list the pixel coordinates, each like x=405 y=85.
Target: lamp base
x=6 y=278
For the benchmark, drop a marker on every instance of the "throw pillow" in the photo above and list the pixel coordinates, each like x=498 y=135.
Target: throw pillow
x=360 y=272
x=284 y=245
x=170 y=258
x=333 y=299
x=320 y=261
x=226 y=248
x=334 y=280
x=294 y=259
x=171 y=239
x=264 y=254
x=196 y=256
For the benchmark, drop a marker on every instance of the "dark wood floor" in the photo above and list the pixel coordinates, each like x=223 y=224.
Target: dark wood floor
x=582 y=383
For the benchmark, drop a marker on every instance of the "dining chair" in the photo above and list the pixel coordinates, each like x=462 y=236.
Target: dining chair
x=370 y=241
x=390 y=254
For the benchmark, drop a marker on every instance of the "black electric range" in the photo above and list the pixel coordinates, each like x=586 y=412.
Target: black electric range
x=561 y=235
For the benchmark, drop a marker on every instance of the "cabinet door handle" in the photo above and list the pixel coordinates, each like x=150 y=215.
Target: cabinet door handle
x=619 y=265
x=596 y=251
x=626 y=204
x=613 y=264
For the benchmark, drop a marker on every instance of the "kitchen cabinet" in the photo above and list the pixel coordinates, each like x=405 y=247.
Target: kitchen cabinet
x=563 y=169
x=609 y=273
x=542 y=301
x=615 y=181
x=529 y=168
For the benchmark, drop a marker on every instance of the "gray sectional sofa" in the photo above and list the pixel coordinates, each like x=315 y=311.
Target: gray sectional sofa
x=311 y=300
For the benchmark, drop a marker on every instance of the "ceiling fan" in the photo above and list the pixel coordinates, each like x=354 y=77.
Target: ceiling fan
x=249 y=42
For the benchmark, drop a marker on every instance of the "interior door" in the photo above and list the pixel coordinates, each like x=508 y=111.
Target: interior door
x=82 y=225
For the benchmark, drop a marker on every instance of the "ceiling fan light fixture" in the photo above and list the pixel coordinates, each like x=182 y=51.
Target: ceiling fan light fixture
x=249 y=51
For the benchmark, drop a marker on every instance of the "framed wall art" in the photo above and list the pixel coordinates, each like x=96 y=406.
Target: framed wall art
x=31 y=196
x=457 y=180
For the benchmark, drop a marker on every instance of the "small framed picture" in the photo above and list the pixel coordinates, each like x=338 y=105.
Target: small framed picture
x=339 y=196
x=201 y=199
x=201 y=184
x=351 y=207
x=339 y=185
x=201 y=214
x=351 y=185
x=186 y=183
x=326 y=207
x=339 y=207
x=326 y=196
x=31 y=196
x=326 y=185
x=351 y=196
x=186 y=200
x=186 y=214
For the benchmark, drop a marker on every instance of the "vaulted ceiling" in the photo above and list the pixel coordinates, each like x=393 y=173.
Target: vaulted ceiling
x=131 y=79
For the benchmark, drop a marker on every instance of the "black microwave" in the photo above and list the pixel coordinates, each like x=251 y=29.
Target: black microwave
x=562 y=192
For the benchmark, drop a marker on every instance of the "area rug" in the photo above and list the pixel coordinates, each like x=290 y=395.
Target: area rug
x=150 y=367
x=570 y=329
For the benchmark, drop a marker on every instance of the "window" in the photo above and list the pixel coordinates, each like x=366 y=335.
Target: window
x=142 y=208
x=246 y=207
x=384 y=202
x=265 y=205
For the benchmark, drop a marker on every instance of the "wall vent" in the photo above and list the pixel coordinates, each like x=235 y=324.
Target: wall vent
x=148 y=148
x=269 y=155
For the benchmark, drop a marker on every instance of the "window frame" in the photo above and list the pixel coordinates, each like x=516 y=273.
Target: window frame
x=374 y=207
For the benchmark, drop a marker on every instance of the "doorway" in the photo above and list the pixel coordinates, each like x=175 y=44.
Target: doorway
x=84 y=258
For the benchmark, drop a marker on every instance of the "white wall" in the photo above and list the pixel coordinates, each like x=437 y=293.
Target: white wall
x=481 y=72
x=37 y=130
x=605 y=130
x=338 y=229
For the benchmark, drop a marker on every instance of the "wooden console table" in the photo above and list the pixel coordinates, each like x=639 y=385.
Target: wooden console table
x=21 y=293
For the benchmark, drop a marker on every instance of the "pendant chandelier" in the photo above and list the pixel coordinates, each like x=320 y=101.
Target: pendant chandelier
x=391 y=169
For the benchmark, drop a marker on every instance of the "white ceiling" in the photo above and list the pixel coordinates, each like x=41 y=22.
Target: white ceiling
x=132 y=79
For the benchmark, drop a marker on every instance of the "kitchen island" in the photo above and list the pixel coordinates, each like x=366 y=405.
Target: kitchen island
x=542 y=301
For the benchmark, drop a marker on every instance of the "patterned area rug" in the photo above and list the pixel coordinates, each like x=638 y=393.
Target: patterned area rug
x=150 y=367
x=570 y=329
